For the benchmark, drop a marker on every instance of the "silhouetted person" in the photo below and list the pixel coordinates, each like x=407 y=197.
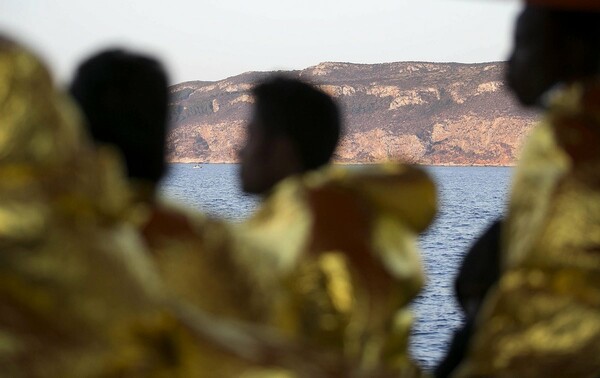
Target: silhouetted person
x=543 y=317
x=479 y=271
x=342 y=241
x=124 y=98
x=552 y=47
x=79 y=296
x=294 y=129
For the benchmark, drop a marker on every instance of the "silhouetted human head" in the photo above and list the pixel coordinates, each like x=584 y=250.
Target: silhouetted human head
x=124 y=98
x=294 y=128
x=552 y=46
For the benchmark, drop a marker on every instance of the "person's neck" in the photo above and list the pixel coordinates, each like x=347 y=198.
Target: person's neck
x=547 y=98
x=143 y=191
x=581 y=84
x=293 y=171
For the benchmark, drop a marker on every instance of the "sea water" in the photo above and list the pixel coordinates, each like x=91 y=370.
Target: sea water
x=470 y=199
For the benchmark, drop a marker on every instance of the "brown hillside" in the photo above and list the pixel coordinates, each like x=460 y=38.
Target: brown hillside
x=429 y=113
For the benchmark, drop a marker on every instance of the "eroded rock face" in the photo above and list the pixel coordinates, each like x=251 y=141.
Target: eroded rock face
x=427 y=113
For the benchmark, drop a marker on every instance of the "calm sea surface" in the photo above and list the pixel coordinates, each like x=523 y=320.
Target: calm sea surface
x=470 y=198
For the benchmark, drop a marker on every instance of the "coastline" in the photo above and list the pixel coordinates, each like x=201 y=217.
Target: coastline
x=512 y=165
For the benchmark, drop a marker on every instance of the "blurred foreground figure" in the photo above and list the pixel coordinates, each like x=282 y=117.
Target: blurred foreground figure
x=124 y=98
x=335 y=248
x=77 y=296
x=543 y=318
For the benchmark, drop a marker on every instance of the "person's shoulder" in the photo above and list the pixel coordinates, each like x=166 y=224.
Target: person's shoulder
x=169 y=221
x=399 y=190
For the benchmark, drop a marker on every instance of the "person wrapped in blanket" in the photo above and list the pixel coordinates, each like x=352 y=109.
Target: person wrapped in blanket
x=543 y=316
x=328 y=261
x=336 y=246
x=79 y=295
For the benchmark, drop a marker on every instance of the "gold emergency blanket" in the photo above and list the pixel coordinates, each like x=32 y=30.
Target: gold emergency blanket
x=78 y=295
x=329 y=261
x=543 y=319
x=69 y=298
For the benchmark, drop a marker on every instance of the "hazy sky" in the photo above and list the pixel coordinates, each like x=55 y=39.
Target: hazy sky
x=214 y=39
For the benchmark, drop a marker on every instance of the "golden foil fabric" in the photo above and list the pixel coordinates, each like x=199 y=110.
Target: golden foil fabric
x=543 y=319
x=329 y=262
x=72 y=281
x=79 y=296
x=343 y=242
x=313 y=286
x=194 y=254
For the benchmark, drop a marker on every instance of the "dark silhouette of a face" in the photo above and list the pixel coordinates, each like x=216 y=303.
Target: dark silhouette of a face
x=552 y=46
x=533 y=67
x=265 y=158
x=294 y=128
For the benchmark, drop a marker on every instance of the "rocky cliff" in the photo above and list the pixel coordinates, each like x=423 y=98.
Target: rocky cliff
x=428 y=113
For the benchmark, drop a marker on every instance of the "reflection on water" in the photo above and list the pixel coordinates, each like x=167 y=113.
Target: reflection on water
x=470 y=199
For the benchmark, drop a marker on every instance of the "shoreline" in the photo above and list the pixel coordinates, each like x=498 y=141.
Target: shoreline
x=362 y=163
